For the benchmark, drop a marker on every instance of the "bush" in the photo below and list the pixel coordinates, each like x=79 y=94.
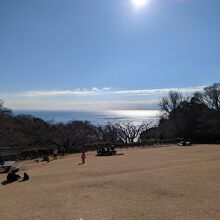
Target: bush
x=33 y=153
x=94 y=146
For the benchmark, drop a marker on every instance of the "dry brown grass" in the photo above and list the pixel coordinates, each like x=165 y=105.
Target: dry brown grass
x=160 y=183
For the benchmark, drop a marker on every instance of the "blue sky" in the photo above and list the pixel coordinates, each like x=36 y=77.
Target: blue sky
x=80 y=54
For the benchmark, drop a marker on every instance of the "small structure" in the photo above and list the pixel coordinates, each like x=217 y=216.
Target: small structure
x=184 y=143
x=10 y=165
x=106 y=151
x=7 y=166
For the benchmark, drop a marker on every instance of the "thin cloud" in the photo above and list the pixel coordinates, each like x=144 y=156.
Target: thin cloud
x=159 y=91
x=93 y=98
x=74 y=92
x=104 y=91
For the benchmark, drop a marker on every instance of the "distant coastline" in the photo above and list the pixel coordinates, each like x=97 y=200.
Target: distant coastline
x=101 y=117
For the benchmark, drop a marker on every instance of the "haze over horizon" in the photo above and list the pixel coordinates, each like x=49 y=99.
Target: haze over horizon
x=118 y=54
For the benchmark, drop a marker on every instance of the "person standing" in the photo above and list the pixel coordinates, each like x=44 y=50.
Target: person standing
x=83 y=157
x=55 y=153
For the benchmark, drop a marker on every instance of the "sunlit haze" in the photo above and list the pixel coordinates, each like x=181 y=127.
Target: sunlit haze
x=140 y=3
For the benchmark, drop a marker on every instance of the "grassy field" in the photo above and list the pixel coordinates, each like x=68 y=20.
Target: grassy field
x=159 y=183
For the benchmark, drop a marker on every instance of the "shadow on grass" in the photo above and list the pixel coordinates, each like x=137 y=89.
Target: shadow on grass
x=113 y=155
x=6 y=182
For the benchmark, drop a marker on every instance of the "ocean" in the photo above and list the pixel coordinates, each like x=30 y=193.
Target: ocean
x=96 y=117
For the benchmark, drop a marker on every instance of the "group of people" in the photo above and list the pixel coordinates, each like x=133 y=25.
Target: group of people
x=46 y=157
x=55 y=155
x=12 y=176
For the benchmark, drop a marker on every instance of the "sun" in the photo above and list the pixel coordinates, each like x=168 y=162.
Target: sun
x=140 y=3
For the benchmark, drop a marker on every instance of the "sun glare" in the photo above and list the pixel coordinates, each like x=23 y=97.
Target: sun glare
x=140 y=3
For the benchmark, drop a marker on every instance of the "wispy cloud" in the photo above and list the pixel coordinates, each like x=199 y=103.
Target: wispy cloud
x=160 y=91
x=93 y=98
x=74 y=92
x=94 y=91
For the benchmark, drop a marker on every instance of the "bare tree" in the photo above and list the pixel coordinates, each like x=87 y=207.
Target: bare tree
x=108 y=132
x=129 y=132
x=197 y=98
x=3 y=110
x=73 y=134
x=171 y=102
x=211 y=96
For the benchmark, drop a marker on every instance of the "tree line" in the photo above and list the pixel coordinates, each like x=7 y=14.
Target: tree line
x=194 y=118
x=26 y=131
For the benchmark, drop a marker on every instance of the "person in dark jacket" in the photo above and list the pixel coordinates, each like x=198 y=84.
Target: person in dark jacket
x=26 y=177
x=12 y=176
